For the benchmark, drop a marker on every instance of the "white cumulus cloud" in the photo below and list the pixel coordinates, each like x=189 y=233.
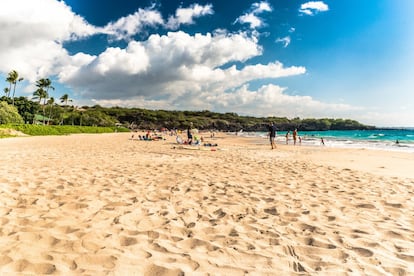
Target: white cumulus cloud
x=128 y=26
x=312 y=7
x=272 y=100
x=186 y=15
x=252 y=18
x=172 y=71
x=284 y=40
x=174 y=65
x=32 y=33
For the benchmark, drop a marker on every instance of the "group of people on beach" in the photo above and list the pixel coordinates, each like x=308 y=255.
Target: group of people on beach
x=295 y=137
x=193 y=136
x=273 y=132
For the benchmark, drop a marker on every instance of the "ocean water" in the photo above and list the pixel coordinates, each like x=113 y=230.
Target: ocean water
x=384 y=139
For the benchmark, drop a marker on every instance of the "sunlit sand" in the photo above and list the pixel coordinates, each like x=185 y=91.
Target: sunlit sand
x=105 y=204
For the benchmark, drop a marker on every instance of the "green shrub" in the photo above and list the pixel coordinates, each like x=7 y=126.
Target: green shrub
x=40 y=130
x=9 y=114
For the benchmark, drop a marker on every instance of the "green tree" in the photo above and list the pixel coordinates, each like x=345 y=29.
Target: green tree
x=26 y=108
x=50 y=102
x=65 y=99
x=13 y=78
x=9 y=114
x=39 y=95
x=45 y=84
x=43 y=88
x=6 y=91
x=10 y=81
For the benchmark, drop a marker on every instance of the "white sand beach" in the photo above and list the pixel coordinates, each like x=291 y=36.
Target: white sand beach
x=107 y=205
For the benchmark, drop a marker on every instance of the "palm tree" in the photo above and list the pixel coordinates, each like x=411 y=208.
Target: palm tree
x=13 y=78
x=41 y=94
x=64 y=99
x=50 y=102
x=6 y=91
x=44 y=84
x=9 y=79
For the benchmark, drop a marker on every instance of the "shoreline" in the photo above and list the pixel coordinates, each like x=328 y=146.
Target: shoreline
x=105 y=204
x=343 y=142
x=377 y=161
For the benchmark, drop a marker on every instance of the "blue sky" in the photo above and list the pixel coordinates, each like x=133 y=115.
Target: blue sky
x=337 y=59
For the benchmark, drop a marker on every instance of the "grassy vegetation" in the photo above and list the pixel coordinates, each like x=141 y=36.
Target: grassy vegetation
x=5 y=135
x=138 y=118
x=40 y=130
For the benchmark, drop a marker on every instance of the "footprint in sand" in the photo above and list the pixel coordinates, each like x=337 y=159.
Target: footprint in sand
x=159 y=270
x=366 y=206
x=313 y=242
x=127 y=241
x=27 y=267
x=95 y=261
x=271 y=211
x=362 y=251
x=5 y=260
x=404 y=257
x=395 y=205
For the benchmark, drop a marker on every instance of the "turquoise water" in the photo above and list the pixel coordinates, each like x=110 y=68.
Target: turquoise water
x=385 y=139
x=388 y=135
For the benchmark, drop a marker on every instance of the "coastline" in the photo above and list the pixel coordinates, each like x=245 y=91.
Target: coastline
x=369 y=160
x=105 y=204
x=386 y=140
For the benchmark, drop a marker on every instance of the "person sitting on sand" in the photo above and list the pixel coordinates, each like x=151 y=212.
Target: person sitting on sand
x=179 y=140
x=196 y=140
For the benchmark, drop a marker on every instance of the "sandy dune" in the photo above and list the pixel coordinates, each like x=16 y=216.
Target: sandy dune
x=104 y=204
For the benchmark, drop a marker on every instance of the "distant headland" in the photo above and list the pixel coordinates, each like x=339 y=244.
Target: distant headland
x=51 y=113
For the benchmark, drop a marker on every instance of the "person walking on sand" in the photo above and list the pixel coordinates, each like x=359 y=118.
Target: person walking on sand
x=272 y=135
x=295 y=134
x=322 y=142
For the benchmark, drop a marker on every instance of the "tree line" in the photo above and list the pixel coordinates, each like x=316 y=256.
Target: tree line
x=43 y=108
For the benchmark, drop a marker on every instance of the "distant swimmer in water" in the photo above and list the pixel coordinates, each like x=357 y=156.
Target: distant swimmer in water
x=397 y=142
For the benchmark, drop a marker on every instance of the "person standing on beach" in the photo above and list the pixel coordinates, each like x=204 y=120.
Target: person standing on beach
x=287 y=137
x=272 y=135
x=295 y=134
x=189 y=134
